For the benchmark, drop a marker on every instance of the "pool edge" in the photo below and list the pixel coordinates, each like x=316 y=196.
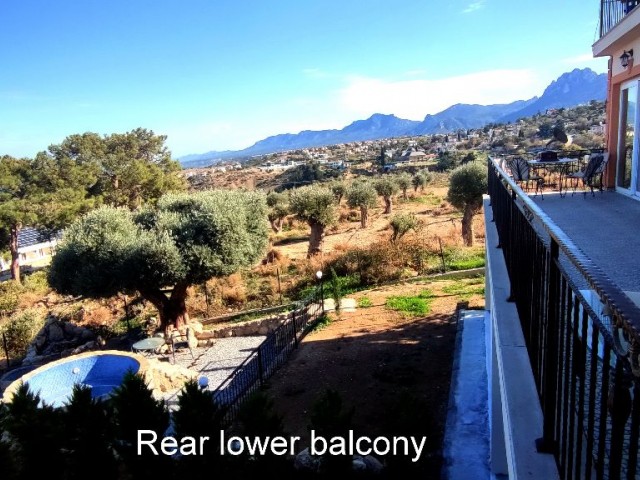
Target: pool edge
x=13 y=386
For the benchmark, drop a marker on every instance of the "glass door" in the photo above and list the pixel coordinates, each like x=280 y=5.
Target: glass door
x=627 y=178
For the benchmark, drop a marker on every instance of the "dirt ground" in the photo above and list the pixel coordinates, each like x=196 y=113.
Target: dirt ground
x=393 y=369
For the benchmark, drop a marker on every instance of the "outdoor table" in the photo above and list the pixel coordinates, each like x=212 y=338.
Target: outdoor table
x=148 y=345
x=560 y=167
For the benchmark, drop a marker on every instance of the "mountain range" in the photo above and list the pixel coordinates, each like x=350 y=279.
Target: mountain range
x=570 y=89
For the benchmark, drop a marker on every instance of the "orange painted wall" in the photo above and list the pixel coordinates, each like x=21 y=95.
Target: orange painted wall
x=613 y=118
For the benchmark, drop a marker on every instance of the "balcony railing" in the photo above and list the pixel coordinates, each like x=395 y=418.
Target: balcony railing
x=583 y=343
x=612 y=12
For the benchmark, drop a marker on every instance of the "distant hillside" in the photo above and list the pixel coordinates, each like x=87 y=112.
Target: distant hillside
x=463 y=116
x=570 y=89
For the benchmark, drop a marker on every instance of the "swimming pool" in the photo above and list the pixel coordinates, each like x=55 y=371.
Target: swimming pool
x=101 y=371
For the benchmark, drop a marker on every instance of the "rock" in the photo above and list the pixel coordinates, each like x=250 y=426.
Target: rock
x=70 y=329
x=196 y=327
x=358 y=464
x=40 y=341
x=192 y=339
x=55 y=333
x=305 y=461
x=86 y=335
x=373 y=464
x=30 y=356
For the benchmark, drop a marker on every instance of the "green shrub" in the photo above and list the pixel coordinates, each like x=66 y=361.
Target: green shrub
x=417 y=305
x=365 y=302
x=36 y=282
x=401 y=223
x=9 y=295
x=198 y=415
x=322 y=322
x=465 y=288
x=329 y=418
x=134 y=409
x=336 y=290
x=20 y=330
x=464 y=258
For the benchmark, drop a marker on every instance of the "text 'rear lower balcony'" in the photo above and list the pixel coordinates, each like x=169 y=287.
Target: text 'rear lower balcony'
x=612 y=12
x=573 y=264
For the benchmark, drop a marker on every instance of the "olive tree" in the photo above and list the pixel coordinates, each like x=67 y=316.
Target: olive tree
x=278 y=209
x=316 y=206
x=422 y=179
x=404 y=182
x=387 y=188
x=339 y=189
x=466 y=186
x=401 y=224
x=185 y=239
x=362 y=195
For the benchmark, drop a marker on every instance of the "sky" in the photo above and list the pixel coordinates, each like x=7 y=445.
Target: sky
x=222 y=74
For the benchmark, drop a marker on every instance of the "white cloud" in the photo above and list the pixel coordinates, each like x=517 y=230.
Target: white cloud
x=472 y=7
x=413 y=99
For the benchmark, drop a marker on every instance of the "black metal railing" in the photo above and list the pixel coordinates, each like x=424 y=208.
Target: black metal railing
x=612 y=12
x=271 y=354
x=582 y=338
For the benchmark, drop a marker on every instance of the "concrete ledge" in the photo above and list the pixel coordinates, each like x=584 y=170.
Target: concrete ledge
x=466 y=441
x=517 y=398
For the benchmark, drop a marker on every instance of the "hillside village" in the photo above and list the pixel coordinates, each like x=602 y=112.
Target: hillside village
x=584 y=124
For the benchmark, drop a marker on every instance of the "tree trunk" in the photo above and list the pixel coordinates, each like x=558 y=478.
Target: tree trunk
x=387 y=205
x=15 y=256
x=364 y=216
x=467 y=226
x=316 y=239
x=171 y=310
x=404 y=193
x=276 y=224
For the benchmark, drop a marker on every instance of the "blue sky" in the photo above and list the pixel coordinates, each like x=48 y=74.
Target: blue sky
x=215 y=75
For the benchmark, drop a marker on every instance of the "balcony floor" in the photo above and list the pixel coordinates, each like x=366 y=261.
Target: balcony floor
x=605 y=228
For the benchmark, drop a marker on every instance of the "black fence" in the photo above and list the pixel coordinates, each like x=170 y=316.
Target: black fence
x=612 y=11
x=582 y=338
x=272 y=353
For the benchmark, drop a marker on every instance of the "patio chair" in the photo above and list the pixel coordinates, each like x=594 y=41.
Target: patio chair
x=521 y=172
x=594 y=170
x=180 y=341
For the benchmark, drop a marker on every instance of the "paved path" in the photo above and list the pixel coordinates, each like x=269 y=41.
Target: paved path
x=217 y=362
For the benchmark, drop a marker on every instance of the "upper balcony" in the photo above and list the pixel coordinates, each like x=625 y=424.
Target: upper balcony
x=612 y=12
x=619 y=22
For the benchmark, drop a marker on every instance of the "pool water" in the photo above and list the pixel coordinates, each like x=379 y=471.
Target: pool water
x=102 y=373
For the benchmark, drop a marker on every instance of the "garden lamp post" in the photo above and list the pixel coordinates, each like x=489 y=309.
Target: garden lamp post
x=319 y=277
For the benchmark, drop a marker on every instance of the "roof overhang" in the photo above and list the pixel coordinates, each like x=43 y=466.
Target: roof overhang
x=627 y=30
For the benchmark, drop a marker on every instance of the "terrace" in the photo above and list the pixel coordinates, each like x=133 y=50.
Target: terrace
x=562 y=293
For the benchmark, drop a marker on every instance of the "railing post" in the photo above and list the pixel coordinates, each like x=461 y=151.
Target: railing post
x=548 y=444
x=260 y=366
x=295 y=327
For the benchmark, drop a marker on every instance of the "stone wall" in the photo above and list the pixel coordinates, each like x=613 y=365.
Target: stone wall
x=249 y=328
x=60 y=338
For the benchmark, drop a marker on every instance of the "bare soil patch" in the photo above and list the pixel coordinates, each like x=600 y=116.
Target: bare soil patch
x=394 y=370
